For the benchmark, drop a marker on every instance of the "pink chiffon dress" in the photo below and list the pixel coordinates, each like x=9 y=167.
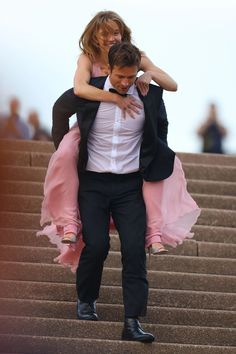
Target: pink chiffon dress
x=171 y=211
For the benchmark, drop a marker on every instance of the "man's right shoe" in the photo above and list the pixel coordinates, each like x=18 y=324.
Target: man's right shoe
x=87 y=311
x=132 y=331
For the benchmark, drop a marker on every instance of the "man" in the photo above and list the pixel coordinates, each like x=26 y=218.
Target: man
x=12 y=126
x=212 y=132
x=39 y=133
x=115 y=155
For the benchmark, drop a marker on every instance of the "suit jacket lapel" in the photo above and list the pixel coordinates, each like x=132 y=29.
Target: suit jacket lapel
x=90 y=109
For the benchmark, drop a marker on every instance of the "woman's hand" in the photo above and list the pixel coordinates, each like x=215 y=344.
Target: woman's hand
x=129 y=105
x=143 y=82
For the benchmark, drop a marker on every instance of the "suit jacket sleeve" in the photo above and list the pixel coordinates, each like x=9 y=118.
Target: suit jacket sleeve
x=64 y=107
x=162 y=123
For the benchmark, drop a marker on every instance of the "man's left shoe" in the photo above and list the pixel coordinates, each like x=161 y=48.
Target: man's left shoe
x=87 y=311
x=132 y=331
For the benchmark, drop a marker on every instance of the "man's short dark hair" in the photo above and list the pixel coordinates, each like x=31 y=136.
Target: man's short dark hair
x=124 y=54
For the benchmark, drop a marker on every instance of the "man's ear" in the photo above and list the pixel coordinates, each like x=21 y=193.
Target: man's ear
x=109 y=69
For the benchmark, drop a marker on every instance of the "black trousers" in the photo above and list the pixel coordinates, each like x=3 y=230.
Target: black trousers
x=100 y=196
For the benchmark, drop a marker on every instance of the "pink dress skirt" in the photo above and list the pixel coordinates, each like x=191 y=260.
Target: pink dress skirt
x=171 y=211
x=59 y=212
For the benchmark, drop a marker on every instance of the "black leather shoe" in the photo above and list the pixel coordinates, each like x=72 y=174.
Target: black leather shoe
x=133 y=331
x=87 y=311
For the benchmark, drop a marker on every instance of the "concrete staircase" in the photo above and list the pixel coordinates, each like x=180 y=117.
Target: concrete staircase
x=192 y=300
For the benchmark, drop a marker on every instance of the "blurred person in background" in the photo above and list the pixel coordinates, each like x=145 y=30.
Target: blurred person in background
x=212 y=132
x=12 y=126
x=38 y=133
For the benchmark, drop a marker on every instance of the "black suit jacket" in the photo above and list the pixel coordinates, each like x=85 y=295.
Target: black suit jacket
x=156 y=158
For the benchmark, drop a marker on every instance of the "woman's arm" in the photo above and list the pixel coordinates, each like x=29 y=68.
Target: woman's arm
x=81 y=83
x=84 y=90
x=152 y=72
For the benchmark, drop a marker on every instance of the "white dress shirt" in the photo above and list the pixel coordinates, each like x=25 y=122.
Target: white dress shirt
x=114 y=141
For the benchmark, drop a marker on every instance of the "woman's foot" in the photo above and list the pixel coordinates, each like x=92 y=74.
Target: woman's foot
x=157 y=248
x=69 y=238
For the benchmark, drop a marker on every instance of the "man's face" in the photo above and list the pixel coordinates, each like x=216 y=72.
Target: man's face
x=14 y=106
x=122 y=78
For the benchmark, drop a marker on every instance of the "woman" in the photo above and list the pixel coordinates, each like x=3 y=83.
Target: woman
x=61 y=184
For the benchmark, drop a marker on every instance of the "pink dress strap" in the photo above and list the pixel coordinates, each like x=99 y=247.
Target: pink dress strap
x=96 y=70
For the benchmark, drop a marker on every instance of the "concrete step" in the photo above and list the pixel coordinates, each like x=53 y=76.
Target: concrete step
x=218 y=250
x=214 y=234
x=47 y=254
x=190 y=264
x=26 y=146
x=14 y=158
x=215 y=217
x=194 y=187
x=215 y=201
x=210 y=172
x=113 y=312
x=201 y=233
x=23 y=237
x=24 y=158
x=21 y=203
x=113 y=295
x=207 y=159
x=56 y=345
x=8 y=154
x=19 y=220
x=112 y=330
x=189 y=247
x=204 y=276
x=22 y=188
x=192 y=171
x=112 y=276
x=168 y=262
x=22 y=173
x=211 y=187
x=209 y=217
x=32 y=204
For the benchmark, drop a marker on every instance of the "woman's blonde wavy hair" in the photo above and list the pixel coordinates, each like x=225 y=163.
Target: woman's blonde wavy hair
x=88 y=42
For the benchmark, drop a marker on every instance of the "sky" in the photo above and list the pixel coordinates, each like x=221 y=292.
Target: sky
x=194 y=41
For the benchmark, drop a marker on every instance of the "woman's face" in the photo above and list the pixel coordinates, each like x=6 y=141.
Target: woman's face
x=108 y=35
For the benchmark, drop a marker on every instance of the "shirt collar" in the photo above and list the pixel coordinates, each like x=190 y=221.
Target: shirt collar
x=108 y=85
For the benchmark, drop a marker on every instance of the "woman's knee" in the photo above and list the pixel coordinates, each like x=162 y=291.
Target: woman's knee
x=66 y=154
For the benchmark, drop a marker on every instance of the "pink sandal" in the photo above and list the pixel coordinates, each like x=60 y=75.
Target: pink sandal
x=155 y=250
x=69 y=238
